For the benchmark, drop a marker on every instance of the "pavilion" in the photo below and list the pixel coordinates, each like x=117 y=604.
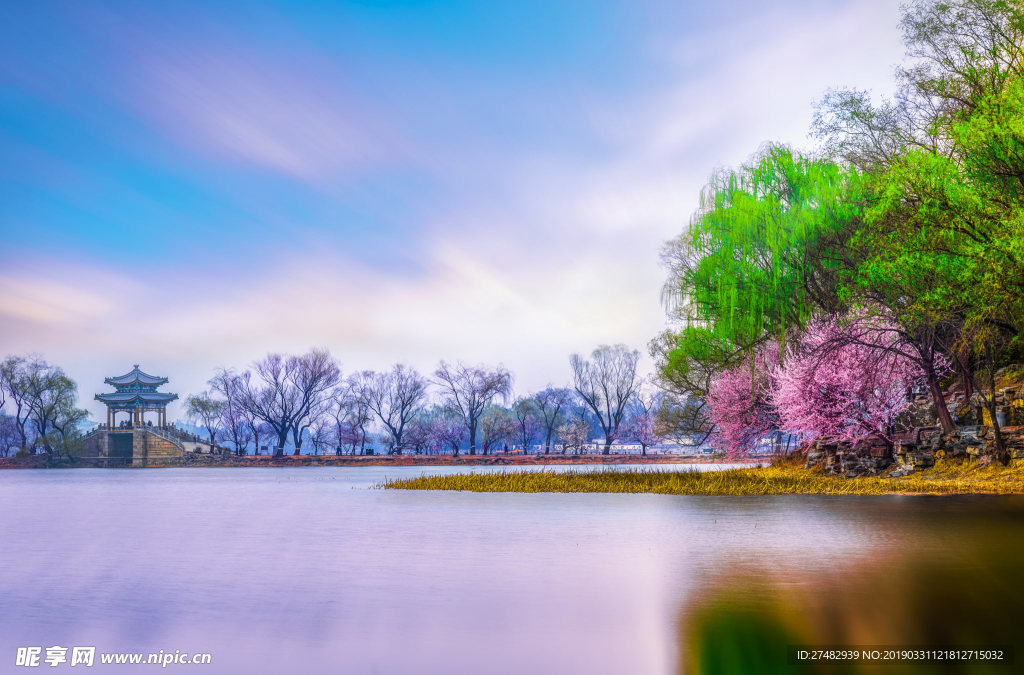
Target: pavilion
x=136 y=393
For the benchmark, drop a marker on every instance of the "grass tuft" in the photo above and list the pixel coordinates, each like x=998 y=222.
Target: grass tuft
x=945 y=478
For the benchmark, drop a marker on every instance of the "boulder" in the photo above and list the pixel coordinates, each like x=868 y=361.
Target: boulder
x=903 y=470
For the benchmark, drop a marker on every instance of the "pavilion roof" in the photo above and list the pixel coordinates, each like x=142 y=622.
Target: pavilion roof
x=133 y=396
x=135 y=376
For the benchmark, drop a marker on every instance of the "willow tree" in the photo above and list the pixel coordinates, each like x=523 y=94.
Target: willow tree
x=762 y=253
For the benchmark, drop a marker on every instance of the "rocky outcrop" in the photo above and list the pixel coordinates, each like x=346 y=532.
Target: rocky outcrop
x=869 y=455
x=873 y=455
x=974 y=441
x=1009 y=404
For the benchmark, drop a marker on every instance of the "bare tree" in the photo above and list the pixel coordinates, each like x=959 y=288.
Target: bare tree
x=257 y=427
x=528 y=424
x=551 y=404
x=316 y=375
x=446 y=428
x=285 y=389
x=271 y=397
x=237 y=427
x=417 y=434
x=315 y=413
x=394 y=397
x=321 y=433
x=606 y=383
x=470 y=389
x=573 y=435
x=351 y=414
x=641 y=424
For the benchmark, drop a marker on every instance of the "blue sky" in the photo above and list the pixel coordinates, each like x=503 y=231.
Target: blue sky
x=191 y=185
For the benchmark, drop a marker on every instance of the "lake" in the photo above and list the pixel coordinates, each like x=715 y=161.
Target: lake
x=313 y=570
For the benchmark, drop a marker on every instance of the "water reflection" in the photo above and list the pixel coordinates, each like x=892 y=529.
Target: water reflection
x=310 y=570
x=945 y=572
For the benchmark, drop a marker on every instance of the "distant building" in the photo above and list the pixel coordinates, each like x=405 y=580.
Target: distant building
x=136 y=395
x=135 y=443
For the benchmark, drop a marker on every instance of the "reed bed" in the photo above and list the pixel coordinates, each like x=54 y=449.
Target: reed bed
x=945 y=478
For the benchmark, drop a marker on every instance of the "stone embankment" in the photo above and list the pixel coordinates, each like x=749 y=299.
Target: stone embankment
x=876 y=455
x=918 y=449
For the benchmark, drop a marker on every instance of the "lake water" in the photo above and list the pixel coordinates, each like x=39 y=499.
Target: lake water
x=312 y=570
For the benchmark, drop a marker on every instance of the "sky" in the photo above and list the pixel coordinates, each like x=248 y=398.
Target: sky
x=191 y=185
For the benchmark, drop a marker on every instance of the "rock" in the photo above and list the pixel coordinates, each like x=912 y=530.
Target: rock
x=920 y=459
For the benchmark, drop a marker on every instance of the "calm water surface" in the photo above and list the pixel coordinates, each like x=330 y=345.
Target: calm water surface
x=312 y=570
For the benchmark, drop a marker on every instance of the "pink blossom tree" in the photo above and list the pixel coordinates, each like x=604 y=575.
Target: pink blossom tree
x=641 y=428
x=840 y=380
x=741 y=405
x=446 y=430
x=642 y=424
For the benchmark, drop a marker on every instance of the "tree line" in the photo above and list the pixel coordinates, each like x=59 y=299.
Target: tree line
x=299 y=399
x=812 y=291
x=305 y=400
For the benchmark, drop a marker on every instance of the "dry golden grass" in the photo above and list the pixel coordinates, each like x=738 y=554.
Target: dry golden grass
x=783 y=478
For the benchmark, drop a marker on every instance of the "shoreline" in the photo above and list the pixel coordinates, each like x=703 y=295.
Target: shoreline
x=232 y=461
x=945 y=478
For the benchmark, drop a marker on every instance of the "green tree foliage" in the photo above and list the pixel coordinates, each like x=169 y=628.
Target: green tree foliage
x=913 y=212
x=206 y=410
x=42 y=401
x=757 y=257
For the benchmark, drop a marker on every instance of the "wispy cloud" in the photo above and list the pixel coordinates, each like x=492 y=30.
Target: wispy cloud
x=535 y=226
x=283 y=113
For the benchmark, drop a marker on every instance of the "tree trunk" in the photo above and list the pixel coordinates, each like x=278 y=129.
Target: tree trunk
x=965 y=378
x=1002 y=454
x=945 y=419
x=282 y=438
x=297 y=439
